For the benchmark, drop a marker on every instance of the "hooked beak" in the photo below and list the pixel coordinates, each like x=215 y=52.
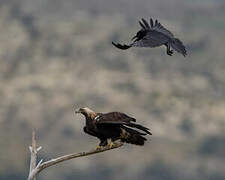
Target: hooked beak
x=77 y=110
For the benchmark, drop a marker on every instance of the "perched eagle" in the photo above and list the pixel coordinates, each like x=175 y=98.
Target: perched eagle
x=154 y=35
x=114 y=126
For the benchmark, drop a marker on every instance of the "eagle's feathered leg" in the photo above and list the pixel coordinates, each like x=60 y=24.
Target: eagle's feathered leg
x=168 y=50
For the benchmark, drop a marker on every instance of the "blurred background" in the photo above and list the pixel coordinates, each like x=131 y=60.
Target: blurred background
x=57 y=55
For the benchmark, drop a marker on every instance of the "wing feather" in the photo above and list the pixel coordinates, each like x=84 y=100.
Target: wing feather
x=114 y=117
x=133 y=131
x=151 y=23
x=142 y=25
x=138 y=126
x=145 y=23
x=151 y=40
x=160 y=28
x=118 y=118
x=157 y=26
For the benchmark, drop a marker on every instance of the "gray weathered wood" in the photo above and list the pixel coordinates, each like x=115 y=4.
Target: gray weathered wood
x=36 y=169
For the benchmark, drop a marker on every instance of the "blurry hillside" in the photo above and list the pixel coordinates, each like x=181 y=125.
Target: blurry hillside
x=57 y=55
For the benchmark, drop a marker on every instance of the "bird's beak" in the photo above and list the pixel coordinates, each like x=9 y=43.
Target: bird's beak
x=134 y=38
x=77 y=110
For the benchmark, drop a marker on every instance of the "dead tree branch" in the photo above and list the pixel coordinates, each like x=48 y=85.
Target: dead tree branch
x=36 y=169
x=33 y=159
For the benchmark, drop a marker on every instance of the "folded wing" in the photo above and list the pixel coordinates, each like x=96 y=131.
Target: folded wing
x=118 y=118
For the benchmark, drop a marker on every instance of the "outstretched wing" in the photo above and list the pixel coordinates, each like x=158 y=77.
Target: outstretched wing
x=152 y=39
x=118 y=118
x=157 y=26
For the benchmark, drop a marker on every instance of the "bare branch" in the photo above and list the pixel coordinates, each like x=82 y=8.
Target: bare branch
x=35 y=170
x=75 y=155
x=39 y=148
x=33 y=153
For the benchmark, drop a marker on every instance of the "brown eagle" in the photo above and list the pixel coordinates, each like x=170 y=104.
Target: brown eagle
x=154 y=35
x=114 y=126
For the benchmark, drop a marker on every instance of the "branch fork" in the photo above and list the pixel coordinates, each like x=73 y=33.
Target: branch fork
x=36 y=168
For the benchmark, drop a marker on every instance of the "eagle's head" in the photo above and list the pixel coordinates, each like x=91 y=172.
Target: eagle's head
x=87 y=112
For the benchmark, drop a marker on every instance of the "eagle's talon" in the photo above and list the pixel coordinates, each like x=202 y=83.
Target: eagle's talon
x=98 y=148
x=112 y=144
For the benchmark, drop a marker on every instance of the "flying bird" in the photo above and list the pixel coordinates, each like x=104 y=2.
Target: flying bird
x=152 y=35
x=113 y=126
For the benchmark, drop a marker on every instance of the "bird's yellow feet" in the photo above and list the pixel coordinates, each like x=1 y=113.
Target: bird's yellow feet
x=111 y=144
x=98 y=148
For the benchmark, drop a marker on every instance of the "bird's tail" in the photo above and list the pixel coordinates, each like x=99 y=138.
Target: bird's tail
x=136 y=139
x=132 y=136
x=178 y=46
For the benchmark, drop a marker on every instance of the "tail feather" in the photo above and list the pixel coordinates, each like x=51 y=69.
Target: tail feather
x=136 y=139
x=178 y=46
x=138 y=126
x=132 y=136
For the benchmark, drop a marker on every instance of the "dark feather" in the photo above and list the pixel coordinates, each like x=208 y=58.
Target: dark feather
x=146 y=24
x=154 y=34
x=128 y=124
x=138 y=126
x=160 y=28
x=142 y=25
x=151 y=23
x=178 y=46
x=133 y=131
x=120 y=119
x=120 y=46
x=115 y=117
x=114 y=126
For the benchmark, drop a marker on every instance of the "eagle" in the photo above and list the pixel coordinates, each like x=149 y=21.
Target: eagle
x=113 y=126
x=154 y=34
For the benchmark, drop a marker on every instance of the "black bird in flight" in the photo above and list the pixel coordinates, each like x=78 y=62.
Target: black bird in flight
x=114 y=126
x=154 y=35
